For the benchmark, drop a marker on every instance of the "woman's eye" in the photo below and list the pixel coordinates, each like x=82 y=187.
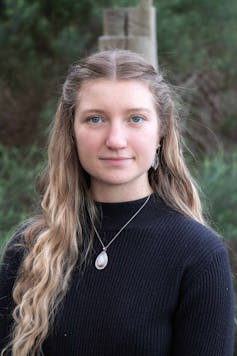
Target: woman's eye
x=136 y=119
x=94 y=119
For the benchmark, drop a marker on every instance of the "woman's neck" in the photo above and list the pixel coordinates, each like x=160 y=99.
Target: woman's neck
x=119 y=194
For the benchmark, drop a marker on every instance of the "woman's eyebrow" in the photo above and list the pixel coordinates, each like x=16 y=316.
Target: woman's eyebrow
x=138 y=110
x=130 y=110
x=92 y=110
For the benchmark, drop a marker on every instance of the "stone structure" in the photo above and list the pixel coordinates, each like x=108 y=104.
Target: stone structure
x=133 y=29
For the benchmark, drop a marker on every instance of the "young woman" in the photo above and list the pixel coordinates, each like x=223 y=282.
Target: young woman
x=120 y=261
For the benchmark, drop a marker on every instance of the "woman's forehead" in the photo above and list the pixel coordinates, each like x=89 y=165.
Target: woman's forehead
x=115 y=95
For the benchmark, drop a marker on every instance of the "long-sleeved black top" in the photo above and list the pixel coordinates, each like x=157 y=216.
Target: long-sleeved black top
x=166 y=290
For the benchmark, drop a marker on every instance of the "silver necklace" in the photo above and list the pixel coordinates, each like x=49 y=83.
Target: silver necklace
x=102 y=259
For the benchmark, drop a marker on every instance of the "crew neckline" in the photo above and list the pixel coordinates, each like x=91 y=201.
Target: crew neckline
x=126 y=202
x=116 y=214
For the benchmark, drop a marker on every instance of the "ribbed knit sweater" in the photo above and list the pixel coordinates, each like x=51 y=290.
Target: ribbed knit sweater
x=166 y=290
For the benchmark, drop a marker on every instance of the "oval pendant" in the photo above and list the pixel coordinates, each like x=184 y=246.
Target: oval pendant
x=101 y=260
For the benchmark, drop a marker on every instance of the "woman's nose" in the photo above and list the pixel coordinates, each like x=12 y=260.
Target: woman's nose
x=116 y=138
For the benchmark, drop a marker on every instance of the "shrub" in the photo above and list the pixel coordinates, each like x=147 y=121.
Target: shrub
x=217 y=177
x=19 y=169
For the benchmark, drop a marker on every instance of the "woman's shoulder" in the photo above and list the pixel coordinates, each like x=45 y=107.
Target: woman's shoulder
x=194 y=234
x=185 y=229
x=190 y=242
x=15 y=248
x=13 y=251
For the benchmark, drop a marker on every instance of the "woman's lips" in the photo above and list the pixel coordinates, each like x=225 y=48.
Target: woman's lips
x=116 y=160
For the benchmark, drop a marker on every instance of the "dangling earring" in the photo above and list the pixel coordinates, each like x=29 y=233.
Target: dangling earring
x=155 y=162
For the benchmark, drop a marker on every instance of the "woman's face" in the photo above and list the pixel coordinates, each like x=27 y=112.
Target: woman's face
x=117 y=133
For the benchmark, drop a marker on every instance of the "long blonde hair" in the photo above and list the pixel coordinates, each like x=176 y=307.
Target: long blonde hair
x=57 y=239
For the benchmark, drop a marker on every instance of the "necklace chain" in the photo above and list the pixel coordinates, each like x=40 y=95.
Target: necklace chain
x=122 y=228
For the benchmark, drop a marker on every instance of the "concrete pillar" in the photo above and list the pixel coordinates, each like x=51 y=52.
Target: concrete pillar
x=133 y=29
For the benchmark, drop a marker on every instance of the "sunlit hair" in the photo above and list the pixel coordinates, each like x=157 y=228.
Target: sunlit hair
x=62 y=235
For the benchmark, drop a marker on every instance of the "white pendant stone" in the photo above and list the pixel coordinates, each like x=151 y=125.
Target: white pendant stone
x=101 y=260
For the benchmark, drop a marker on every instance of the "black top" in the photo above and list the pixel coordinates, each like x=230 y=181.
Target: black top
x=166 y=290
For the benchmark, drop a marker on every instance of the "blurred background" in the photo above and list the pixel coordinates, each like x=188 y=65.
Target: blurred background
x=197 y=49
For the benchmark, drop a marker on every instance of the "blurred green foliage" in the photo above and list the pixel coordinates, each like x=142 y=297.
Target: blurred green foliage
x=39 y=39
x=38 y=36
x=198 y=34
x=18 y=174
x=217 y=177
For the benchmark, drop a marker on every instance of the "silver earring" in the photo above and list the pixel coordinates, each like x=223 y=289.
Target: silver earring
x=155 y=162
